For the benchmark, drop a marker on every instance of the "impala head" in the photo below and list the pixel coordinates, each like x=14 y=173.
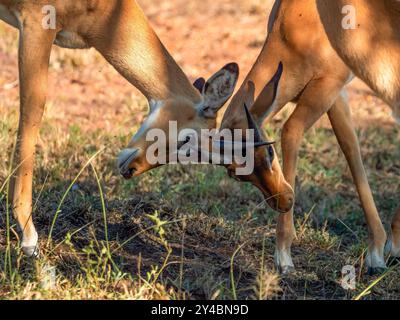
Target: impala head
x=172 y=116
x=267 y=175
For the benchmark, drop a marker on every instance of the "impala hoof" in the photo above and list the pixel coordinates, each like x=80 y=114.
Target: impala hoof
x=376 y=271
x=31 y=252
x=287 y=270
x=392 y=250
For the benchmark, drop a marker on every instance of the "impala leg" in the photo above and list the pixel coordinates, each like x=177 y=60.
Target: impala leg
x=34 y=53
x=312 y=105
x=393 y=246
x=340 y=117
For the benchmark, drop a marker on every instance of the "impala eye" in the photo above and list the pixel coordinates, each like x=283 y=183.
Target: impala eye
x=271 y=153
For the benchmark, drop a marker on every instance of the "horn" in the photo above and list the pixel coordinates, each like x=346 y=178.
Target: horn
x=264 y=144
x=241 y=144
x=258 y=139
x=253 y=125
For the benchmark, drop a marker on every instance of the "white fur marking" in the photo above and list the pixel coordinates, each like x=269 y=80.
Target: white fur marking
x=155 y=107
x=124 y=156
x=386 y=79
x=375 y=260
x=283 y=259
x=30 y=242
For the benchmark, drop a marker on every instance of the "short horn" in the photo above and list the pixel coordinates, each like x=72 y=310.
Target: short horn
x=258 y=139
x=264 y=144
x=253 y=125
x=236 y=145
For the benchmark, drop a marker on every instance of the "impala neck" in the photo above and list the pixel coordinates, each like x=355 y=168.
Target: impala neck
x=135 y=51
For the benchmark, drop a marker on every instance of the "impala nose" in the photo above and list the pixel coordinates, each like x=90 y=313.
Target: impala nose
x=282 y=204
x=283 y=201
x=125 y=159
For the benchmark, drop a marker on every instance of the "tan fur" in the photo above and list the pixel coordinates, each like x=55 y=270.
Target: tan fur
x=179 y=110
x=119 y=30
x=372 y=51
x=313 y=77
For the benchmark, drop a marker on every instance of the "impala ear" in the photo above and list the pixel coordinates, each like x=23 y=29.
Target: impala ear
x=218 y=89
x=199 y=84
x=265 y=104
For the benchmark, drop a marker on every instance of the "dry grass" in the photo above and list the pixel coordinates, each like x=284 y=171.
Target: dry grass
x=182 y=232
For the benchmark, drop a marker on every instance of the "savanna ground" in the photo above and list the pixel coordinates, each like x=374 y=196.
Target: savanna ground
x=183 y=232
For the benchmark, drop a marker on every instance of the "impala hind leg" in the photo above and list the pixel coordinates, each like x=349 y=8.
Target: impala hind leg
x=393 y=246
x=312 y=105
x=34 y=54
x=340 y=117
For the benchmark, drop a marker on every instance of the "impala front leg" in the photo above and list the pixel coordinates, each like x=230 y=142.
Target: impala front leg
x=312 y=105
x=340 y=117
x=34 y=53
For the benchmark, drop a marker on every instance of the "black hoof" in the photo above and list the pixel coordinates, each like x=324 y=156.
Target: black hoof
x=31 y=252
x=376 y=271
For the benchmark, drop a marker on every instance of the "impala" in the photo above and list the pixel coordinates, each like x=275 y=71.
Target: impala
x=119 y=30
x=314 y=77
x=372 y=51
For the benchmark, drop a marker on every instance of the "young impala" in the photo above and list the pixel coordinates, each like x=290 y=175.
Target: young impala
x=314 y=77
x=372 y=51
x=119 y=30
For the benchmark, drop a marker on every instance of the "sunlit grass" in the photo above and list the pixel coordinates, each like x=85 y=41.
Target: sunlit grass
x=109 y=244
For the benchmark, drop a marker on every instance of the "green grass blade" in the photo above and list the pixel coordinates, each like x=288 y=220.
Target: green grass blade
x=58 y=211
x=103 y=206
x=367 y=291
x=232 y=276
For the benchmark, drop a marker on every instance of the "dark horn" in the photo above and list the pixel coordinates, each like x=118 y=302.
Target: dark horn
x=258 y=139
x=223 y=144
x=253 y=125
x=264 y=144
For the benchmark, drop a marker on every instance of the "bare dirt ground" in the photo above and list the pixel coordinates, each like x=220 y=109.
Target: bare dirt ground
x=90 y=106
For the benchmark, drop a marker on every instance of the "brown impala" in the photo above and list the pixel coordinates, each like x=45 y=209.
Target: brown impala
x=119 y=30
x=372 y=51
x=314 y=77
